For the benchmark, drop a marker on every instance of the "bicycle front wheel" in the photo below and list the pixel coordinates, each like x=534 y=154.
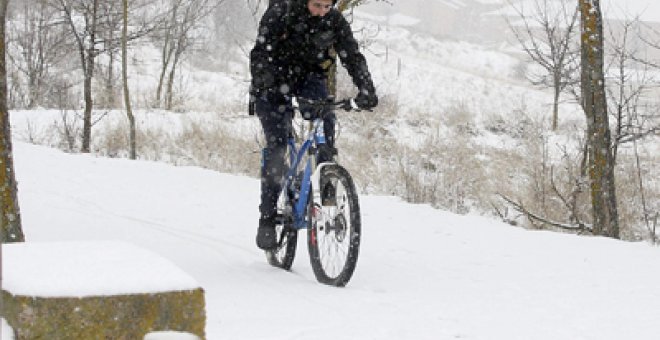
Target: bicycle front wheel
x=334 y=231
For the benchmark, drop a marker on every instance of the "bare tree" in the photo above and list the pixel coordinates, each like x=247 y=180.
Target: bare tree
x=144 y=21
x=89 y=29
x=177 y=37
x=124 y=74
x=342 y=6
x=83 y=18
x=594 y=103
x=557 y=196
x=111 y=18
x=10 y=219
x=167 y=49
x=650 y=218
x=547 y=36
x=634 y=115
x=36 y=45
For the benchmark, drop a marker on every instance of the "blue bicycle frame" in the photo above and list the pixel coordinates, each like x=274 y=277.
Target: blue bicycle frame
x=301 y=196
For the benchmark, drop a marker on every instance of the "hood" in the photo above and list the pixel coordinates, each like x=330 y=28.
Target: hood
x=304 y=2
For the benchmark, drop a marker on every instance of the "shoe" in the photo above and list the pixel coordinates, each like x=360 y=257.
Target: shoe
x=266 y=236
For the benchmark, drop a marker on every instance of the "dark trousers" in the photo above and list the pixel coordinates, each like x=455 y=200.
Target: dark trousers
x=275 y=116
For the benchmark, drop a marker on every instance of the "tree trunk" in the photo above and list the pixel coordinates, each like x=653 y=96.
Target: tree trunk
x=33 y=41
x=124 y=74
x=167 y=55
x=601 y=162
x=170 y=80
x=167 y=51
x=87 y=93
x=159 y=88
x=331 y=78
x=331 y=72
x=30 y=57
x=555 y=107
x=110 y=99
x=10 y=219
x=88 y=69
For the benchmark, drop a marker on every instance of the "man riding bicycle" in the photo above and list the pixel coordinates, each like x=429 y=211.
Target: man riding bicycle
x=290 y=59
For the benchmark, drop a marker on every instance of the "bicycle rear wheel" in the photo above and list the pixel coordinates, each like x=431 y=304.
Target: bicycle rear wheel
x=334 y=232
x=283 y=254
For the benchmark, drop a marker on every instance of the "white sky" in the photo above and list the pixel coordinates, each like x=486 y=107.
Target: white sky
x=647 y=10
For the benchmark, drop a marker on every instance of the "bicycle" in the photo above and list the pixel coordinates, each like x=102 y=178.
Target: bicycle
x=322 y=199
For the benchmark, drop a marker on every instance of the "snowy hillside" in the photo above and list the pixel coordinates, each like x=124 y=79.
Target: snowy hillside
x=422 y=273
x=429 y=58
x=457 y=116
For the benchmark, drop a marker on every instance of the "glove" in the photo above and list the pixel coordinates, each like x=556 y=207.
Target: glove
x=366 y=100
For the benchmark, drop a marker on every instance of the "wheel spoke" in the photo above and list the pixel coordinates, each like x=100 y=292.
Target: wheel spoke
x=334 y=248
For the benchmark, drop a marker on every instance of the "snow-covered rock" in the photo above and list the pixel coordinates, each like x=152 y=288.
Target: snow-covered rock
x=96 y=289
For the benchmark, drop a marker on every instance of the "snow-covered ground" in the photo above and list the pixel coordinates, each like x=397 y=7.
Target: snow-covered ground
x=422 y=273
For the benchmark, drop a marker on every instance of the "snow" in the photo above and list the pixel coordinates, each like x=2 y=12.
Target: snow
x=6 y=332
x=91 y=268
x=422 y=273
x=433 y=78
x=491 y=2
x=170 y=336
x=646 y=10
x=395 y=19
x=402 y=20
x=452 y=3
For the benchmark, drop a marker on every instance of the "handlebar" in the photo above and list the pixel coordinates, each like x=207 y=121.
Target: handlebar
x=347 y=104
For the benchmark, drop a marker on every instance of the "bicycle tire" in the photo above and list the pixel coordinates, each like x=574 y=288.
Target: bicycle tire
x=334 y=232
x=287 y=235
x=285 y=252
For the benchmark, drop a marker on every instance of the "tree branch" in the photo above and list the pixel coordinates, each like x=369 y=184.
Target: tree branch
x=535 y=217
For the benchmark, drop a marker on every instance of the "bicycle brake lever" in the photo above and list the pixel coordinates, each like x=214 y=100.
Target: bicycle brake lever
x=349 y=105
x=344 y=105
x=354 y=106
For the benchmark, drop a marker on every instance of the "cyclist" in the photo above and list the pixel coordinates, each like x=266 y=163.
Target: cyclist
x=290 y=58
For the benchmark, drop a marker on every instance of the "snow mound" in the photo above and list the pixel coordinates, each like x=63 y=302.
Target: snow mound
x=88 y=268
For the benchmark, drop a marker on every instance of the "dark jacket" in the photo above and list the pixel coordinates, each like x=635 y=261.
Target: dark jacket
x=292 y=44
